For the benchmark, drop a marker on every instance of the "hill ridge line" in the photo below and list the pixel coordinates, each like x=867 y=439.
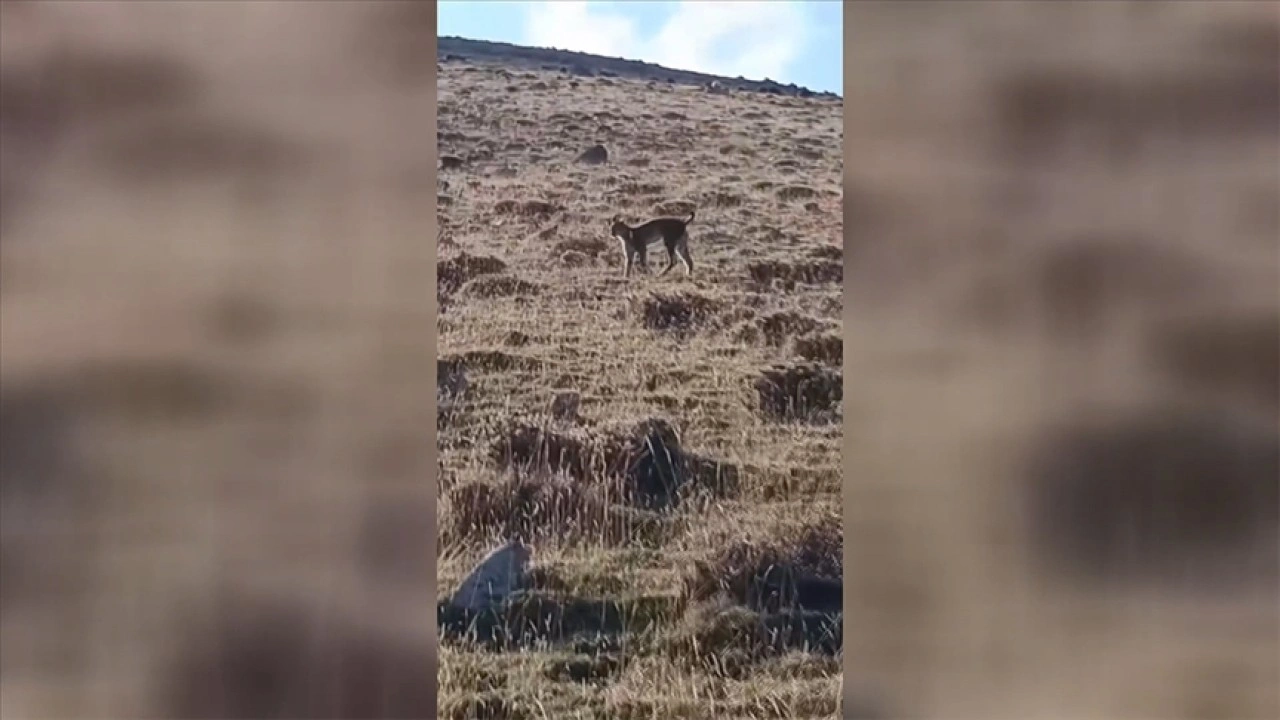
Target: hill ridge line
x=450 y=48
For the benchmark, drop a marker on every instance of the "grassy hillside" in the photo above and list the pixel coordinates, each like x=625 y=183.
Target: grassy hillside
x=534 y=308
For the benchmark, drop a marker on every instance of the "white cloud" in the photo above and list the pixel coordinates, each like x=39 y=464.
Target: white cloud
x=752 y=39
x=574 y=25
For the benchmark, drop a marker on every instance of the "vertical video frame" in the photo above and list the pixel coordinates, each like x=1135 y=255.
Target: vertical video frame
x=640 y=384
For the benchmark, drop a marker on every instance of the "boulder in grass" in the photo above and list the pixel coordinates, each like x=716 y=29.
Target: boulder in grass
x=594 y=155
x=489 y=584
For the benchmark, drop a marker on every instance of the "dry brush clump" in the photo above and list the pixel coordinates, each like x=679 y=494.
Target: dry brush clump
x=451 y=385
x=643 y=465
x=516 y=338
x=721 y=199
x=678 y=313
x=738 y=636
x=825 y=349
x=658 y=473
x=827 y=252
x=537 y=209
x=555 y=507
x=529 y=446
x=674 y=208
x=634 y=188
x=787 y=275
x=588 y=246
x=489 y=705
x=491 y=361
x=454 y=272
x=534 y=618
x=806 y=392
x=759 y=600
x=795 y=192
x=802 y=568
x=496 y=286
x=585 y=668
x=777 y=329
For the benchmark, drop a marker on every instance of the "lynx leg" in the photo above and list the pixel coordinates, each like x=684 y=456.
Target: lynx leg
x=671 y=261
x=682 y=248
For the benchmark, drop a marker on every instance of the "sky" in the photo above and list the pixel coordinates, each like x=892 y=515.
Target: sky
x=790 y=42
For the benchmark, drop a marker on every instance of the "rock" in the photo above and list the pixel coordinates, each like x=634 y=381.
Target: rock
x=594 y=155
x=493 y=579
x=655 y=465
x=450 y=162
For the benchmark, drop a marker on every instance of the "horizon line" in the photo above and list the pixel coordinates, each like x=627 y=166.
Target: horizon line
x=641 y=62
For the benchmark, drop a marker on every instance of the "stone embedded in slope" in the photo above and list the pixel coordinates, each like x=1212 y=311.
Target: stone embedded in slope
x=494 y=578
x=594 y=155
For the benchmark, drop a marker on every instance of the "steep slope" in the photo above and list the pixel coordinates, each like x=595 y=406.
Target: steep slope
x=652 y=437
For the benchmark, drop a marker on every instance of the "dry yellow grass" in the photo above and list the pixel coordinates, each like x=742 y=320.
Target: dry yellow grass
x=535 y=306
x=1062 y=340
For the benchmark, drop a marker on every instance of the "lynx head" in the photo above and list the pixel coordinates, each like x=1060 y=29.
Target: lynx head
x=619 y=229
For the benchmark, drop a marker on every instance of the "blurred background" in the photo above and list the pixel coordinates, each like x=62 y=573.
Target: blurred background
x=1062 y=345
x=217 y=359
x=1063 y=359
